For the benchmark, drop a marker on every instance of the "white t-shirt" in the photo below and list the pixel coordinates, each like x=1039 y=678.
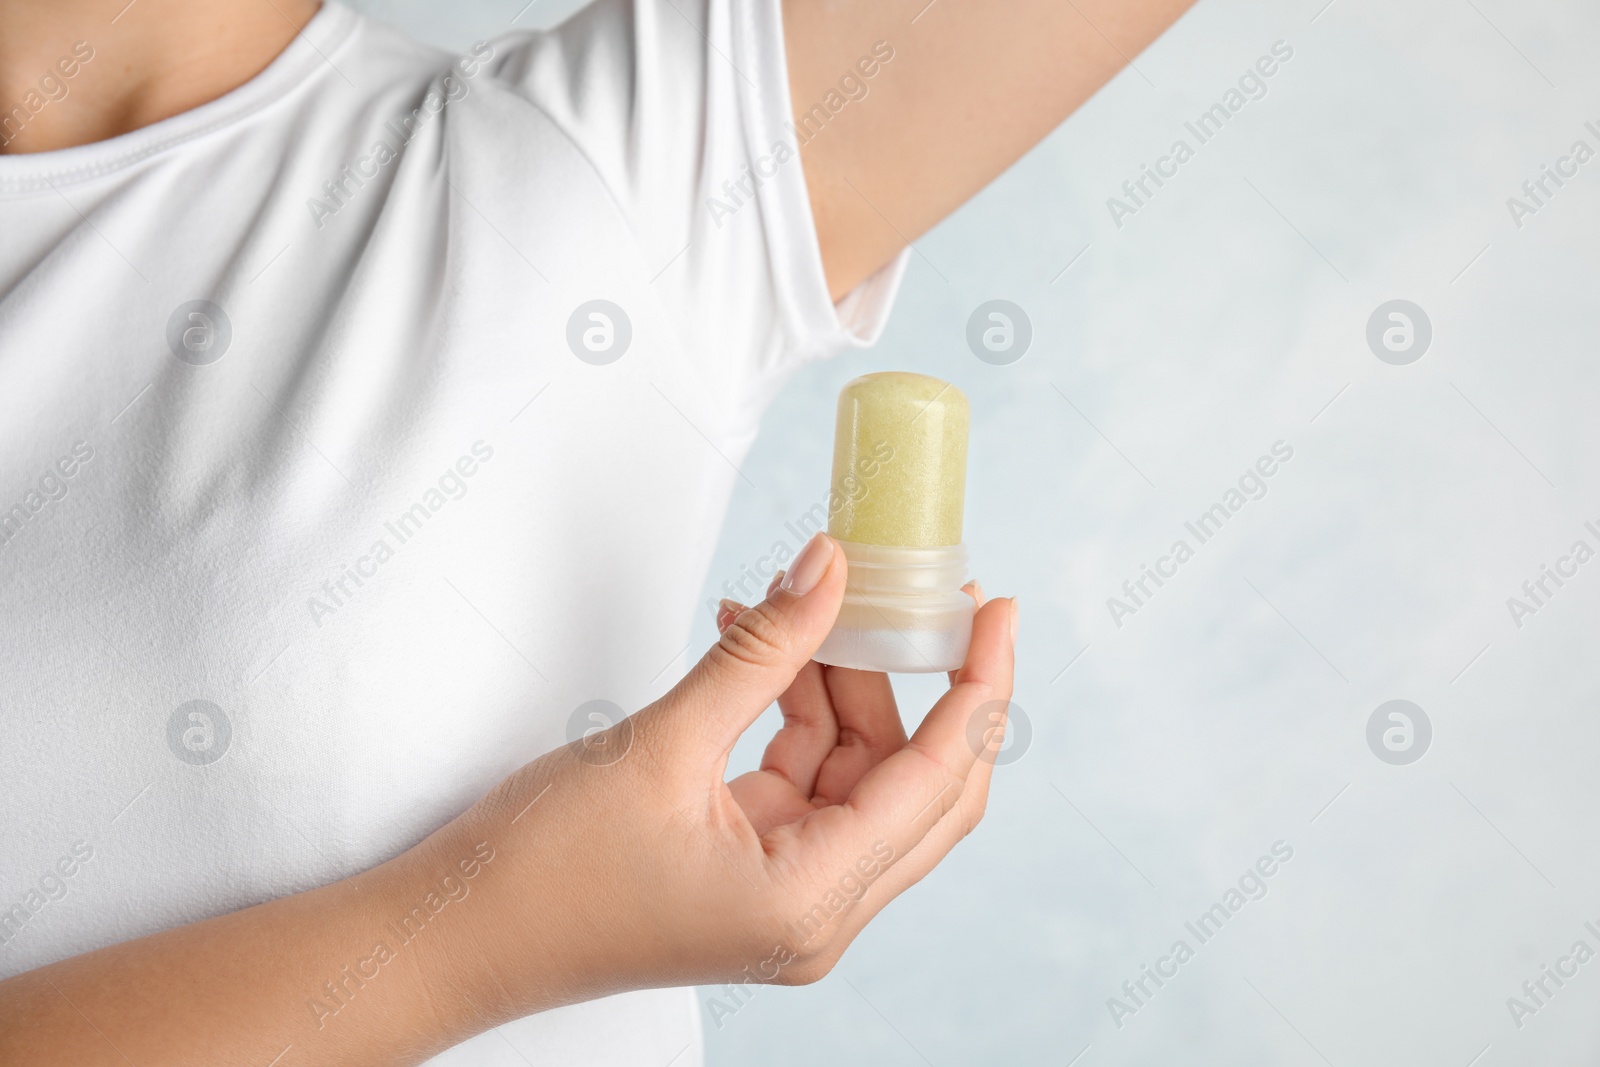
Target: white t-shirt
x=328 y=496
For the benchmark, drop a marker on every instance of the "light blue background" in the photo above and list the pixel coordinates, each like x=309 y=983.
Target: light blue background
x=1223 y=317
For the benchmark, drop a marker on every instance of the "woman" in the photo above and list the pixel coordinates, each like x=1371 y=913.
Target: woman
x=368 y=418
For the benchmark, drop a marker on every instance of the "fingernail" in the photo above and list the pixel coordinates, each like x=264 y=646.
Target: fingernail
x=809 y=566
x=772 y=586
x=729 y=610
x=1013 y=622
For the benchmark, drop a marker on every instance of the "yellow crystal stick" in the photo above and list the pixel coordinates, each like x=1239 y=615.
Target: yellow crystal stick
x=899 y=482
x=917 y=500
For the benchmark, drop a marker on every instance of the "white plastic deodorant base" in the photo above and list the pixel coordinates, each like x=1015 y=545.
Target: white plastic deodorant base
x=904 y=611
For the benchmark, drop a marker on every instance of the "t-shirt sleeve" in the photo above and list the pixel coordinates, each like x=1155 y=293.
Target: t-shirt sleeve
x=682 y=107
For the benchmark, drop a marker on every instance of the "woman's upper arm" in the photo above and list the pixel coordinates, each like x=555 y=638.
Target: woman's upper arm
x=906 y=108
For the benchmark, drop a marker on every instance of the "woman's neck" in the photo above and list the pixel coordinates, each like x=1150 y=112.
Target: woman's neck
x=147 y=60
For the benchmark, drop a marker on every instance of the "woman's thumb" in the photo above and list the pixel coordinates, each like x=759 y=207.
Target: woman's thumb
x=762 y=649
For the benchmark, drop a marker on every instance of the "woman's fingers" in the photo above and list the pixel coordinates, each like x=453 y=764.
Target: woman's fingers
x=993 y=671
x=758 y=656
x=809 y=731
x=837 y=724
x=768 y=800
x=900 y=800
x=884 y=881
x=864 y=703
x=904 y=816
x=944 y=752
x=878 y=802
x=945 y=739
x=870 y=730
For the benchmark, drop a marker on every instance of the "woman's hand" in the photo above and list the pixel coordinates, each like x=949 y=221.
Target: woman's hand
x=663 y=873
x=622 y=862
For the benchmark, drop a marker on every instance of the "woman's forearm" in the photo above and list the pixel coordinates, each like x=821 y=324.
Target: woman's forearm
x=378 y=968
